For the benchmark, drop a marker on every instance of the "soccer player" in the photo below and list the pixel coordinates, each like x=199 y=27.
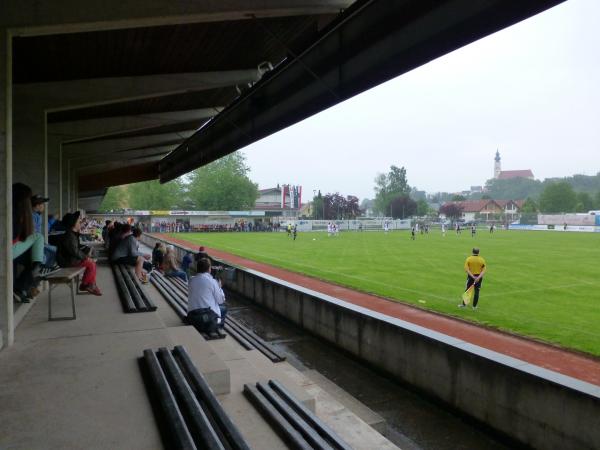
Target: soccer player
x=475 y=267
x=444 y=229
x=473 y=230
x=413 y=233
x=289 y=229
x=295 y=231
x=492 y=229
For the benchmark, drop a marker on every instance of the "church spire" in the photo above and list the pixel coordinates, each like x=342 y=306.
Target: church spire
x=497 y=167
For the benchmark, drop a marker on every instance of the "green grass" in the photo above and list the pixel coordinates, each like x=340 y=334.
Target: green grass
x=540 y=284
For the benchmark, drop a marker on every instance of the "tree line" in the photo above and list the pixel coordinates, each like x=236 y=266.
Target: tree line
x=222 y=185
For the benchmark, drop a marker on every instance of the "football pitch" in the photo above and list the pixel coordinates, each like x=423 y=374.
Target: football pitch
x=544 y=285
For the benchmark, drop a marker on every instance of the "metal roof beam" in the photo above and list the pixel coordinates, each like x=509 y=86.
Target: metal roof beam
x=117 y=145
x=32 y=17
x=73 y=94
x=84 y=129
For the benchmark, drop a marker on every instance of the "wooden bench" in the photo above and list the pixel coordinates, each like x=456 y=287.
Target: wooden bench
x=69 y=276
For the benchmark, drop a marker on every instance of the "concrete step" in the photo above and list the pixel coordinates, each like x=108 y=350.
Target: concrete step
x=251 y=424
x=364 y=412
x=206 y=360
x=263 y=369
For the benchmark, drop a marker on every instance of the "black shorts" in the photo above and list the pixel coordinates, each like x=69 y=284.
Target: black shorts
x=471 y=280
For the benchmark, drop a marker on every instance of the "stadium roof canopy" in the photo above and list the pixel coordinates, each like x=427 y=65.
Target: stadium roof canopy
x=125 y=91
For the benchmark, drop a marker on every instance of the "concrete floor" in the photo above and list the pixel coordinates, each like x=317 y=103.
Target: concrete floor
x=77 y=384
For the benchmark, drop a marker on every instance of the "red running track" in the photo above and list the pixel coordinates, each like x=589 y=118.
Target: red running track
x=582 y=367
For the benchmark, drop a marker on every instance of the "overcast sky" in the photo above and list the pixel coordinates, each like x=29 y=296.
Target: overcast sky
x=531 y=90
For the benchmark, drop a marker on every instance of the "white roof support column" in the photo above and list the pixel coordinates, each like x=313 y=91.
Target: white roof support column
x=7 y=332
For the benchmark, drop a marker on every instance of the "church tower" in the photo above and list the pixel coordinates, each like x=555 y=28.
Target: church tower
x=497 y=168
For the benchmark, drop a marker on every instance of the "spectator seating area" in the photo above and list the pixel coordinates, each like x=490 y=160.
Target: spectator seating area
x=193 y=416
x=134 y=297
x=175 y=292
x=294 y=422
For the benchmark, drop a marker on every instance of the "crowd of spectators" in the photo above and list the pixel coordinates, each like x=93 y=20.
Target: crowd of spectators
x=239 y=226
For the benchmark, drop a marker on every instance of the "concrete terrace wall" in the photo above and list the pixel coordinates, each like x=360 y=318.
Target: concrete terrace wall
x=535 y=406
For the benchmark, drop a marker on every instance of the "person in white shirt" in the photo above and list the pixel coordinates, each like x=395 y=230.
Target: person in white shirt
x=204 y=296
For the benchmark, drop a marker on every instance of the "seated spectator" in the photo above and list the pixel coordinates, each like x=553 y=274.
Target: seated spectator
x=170 y=265
x=186 y=262
x=127 y=252
x=204 y=295
x=38 y=206
x=71 y=254
x=27 y=245
x=52 y=220
x=158 y=255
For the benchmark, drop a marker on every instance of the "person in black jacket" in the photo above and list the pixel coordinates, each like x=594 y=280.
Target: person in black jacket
x=71 y=254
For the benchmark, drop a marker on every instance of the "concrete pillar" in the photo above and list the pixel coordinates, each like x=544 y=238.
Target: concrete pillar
x=29 y=155
x=6 y=299
x=54 y=175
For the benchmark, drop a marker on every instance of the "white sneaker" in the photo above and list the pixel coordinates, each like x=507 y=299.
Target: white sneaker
x=461 y=305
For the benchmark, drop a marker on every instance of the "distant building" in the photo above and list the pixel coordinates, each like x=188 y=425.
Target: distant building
x=475 y=210
x=285 y=200
x=476 y=189
x=500 y=174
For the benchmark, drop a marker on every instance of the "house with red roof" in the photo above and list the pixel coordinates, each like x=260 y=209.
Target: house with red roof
x=473 y=210
x=487 y=209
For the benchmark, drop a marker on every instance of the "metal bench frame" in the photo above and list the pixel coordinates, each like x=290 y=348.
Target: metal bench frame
x=55 y=281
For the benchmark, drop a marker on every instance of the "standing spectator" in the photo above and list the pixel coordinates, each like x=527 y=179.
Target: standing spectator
x=204 y=296
x=186 y=262
x=201 y=254
x=170 y=265
x=475 y=268
x=105 y=229
x=71 y=254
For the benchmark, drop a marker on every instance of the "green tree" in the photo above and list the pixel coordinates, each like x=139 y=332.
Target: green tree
x=514 y=188
x=422 y=207
x=115 y=198
x=318 y=207
x=402 y=207
x=584 y=202
x=223 y=185
x=458 y=198
x=529 y=206
x=153 y=195
x=597 y=200
x=558 y=197
x=389 y=187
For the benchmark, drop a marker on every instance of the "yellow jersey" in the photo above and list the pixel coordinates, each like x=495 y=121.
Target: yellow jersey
x=474 y=264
